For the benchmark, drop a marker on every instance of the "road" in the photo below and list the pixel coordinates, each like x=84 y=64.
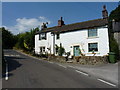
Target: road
x=28 y=72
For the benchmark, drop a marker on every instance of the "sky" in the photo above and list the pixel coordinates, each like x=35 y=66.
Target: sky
x=0 y=14
x=59 y=0
x=22 y=16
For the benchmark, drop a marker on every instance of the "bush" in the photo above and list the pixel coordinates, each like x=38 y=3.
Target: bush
x=61 y=50
x=114 y=46
x=115 y=14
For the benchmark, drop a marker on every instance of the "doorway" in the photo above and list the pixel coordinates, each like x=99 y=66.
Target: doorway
x=76 y=50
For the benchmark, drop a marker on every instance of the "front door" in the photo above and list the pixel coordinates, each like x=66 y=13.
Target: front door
x=76 y=51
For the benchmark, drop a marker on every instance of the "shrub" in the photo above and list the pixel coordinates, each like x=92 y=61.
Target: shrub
x=114 y=46
x=61 y=50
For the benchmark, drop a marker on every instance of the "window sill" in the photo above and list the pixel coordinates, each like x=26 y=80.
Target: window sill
x=92 y=53
x=92 y=37
x=42 y=39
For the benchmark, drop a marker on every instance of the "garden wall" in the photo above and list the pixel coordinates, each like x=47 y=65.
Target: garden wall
x=90 y=60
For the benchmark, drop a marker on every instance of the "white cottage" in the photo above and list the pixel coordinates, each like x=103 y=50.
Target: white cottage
x=85 y=38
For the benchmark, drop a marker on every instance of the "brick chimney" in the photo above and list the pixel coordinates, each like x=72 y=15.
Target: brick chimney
x=60 y=22
x=104 y=12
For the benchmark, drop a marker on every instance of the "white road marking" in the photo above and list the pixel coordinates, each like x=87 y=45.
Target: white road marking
x=62 y=66
x=107 y=82
x=6 y=74
x=17 y=55
x=71 y=66
x=11 y=55
x=82 y=73
x=50 y=62
x=6 y=55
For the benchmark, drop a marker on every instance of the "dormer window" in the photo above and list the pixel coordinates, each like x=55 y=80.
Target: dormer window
x=42 y=36
x=92 y=32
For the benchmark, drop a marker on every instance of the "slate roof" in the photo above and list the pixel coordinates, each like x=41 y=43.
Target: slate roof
x=76 y=26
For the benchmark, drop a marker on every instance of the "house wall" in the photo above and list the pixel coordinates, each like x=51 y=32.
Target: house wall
x=41 y=43
x=70 y=39
x=81 y=38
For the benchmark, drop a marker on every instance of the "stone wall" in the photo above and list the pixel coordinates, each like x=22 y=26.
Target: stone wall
x=91 y=60
x=87 y=60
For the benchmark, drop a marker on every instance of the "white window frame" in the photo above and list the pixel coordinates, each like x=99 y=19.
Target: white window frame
x=42 y=49
x=95 y=31
x=92 y=50
x=42 y=36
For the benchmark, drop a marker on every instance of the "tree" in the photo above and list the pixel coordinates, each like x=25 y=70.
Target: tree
x=26 y=41
x=8 y=40
x=29 y=39
x=20 y=41
x=115 y=14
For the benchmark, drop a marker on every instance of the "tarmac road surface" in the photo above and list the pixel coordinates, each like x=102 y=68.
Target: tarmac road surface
x=29 y=72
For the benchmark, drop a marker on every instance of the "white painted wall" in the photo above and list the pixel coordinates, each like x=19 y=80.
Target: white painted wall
x=70 y=39
x=47 y=43
x=37 y=44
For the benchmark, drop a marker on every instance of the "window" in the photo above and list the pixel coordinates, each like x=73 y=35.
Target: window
x=56 y=50
x=92 y=47
x=42 y=36
x=92 y=32
x=42 y=49
x=58 y=36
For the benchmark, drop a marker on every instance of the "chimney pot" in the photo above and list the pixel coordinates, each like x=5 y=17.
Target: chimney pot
x=104 y=7
x=61 y=22
x=61 y=18
x=104 y=12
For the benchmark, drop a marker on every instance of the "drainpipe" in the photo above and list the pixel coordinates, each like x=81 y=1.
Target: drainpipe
x=53 y=43
x=53 y=34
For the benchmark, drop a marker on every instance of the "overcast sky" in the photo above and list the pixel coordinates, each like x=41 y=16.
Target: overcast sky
x=22 y=16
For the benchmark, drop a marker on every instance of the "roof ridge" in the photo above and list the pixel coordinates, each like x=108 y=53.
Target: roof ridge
x=76 y=23
x=86 y=21
x=79 y=25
